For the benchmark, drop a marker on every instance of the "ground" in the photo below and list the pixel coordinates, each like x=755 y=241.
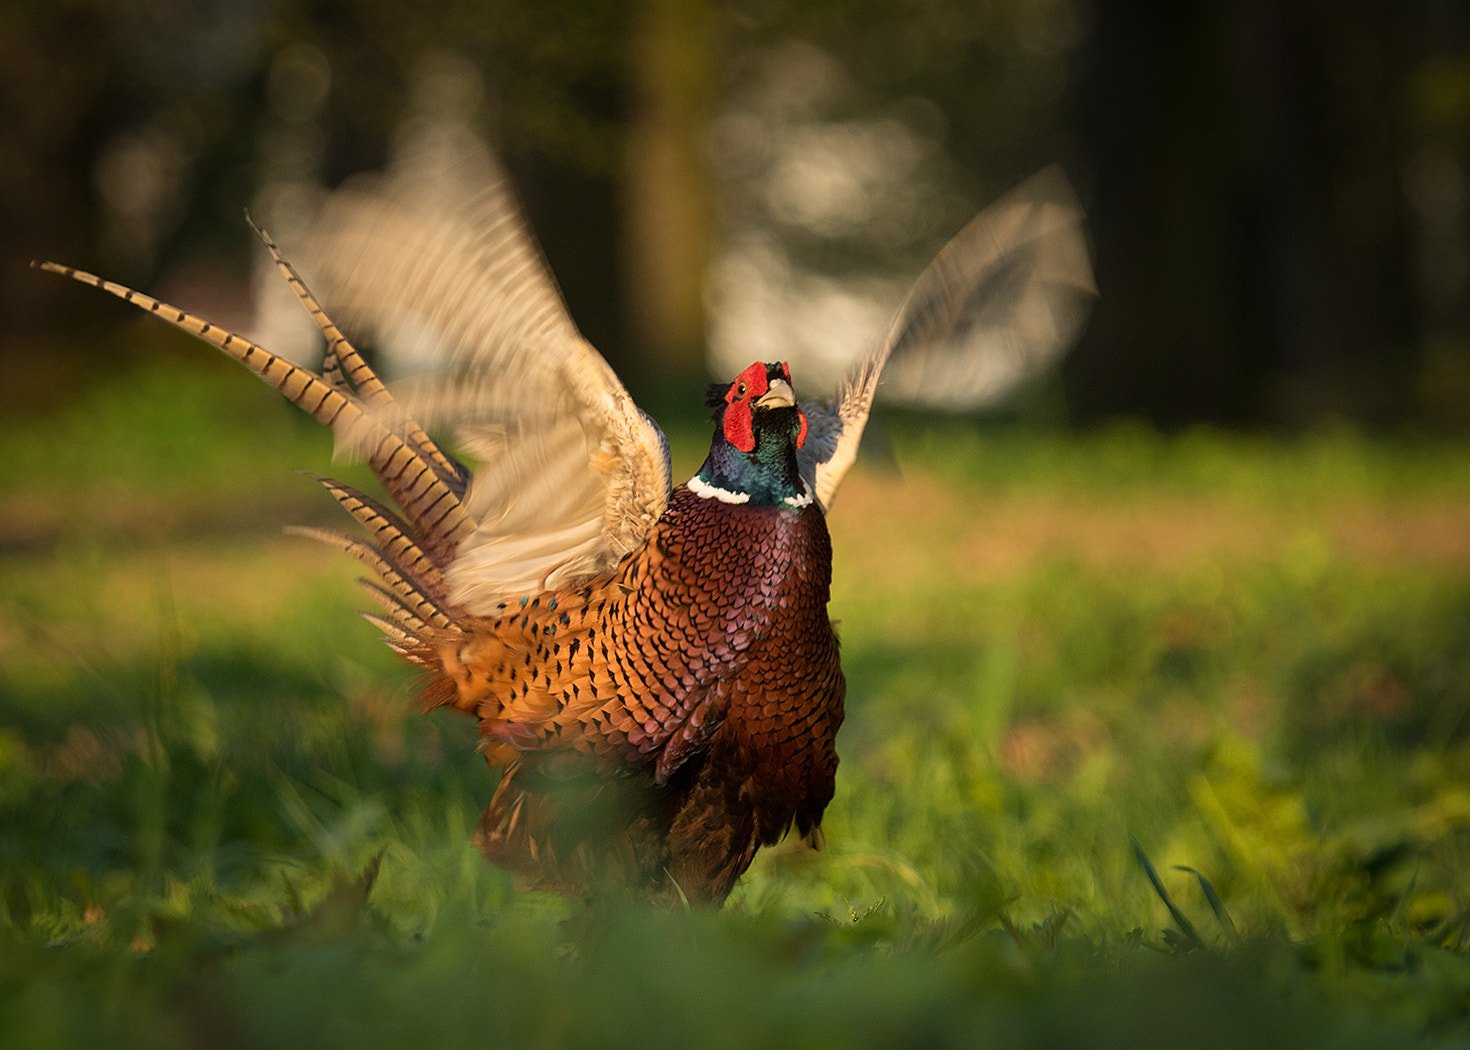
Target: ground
x=1239 y=665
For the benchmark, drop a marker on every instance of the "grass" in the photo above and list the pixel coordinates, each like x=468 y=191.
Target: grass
x=1238 y=667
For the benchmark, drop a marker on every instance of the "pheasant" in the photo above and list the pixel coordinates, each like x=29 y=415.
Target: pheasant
x=651 y=665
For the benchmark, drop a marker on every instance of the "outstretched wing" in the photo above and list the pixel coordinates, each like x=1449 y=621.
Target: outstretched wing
x=999 y=303
x=441 y=269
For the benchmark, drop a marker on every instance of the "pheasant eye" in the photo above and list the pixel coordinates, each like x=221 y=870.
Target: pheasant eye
x=740 y=391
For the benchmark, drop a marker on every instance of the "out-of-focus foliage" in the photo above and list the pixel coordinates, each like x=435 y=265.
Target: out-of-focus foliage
x=1277 y=193
x=1249 y=656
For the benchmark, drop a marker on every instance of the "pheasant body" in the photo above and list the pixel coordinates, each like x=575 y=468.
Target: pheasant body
x=652 y=667
x=705 y=671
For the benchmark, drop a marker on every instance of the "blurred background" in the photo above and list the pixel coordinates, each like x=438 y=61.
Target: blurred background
x=1277 y=191
x=1204 y=587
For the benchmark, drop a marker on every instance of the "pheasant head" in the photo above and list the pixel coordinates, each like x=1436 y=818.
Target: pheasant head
x=758 y=428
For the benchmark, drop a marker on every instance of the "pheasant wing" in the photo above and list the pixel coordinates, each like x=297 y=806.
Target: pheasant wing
x=438 y=267
x=999 y=303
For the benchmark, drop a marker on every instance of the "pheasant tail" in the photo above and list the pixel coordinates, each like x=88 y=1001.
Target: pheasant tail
x=349 y=398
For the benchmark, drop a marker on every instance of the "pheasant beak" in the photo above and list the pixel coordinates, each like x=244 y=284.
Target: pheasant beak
x=778 y=395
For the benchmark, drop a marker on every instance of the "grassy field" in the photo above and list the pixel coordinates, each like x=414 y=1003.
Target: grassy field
x=1077 y=665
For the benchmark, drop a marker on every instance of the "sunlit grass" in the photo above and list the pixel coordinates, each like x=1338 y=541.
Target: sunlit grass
x=1249 y=656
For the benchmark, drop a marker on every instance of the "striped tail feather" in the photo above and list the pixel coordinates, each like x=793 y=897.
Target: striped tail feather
x=407 y=470
x=344 y=368
x=412 y=627
x=349 y=398
x=401 y=640
x=404 y=585
x=393 y=537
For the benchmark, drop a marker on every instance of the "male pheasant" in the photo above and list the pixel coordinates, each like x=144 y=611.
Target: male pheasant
x=652 y=666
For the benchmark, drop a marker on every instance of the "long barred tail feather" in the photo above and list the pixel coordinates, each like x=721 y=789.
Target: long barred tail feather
x=395 y=637
x=403 y=584
x=343 y=366
x=392 y=535
x=405 y=469
x=427 y=483
x=401 y=611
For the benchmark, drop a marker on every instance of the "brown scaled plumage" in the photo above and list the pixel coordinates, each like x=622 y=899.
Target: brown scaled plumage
x=706 y=664
x=652 y=667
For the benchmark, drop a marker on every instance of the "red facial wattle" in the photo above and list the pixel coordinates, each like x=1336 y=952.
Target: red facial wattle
x=748 y=386
x=738 y=430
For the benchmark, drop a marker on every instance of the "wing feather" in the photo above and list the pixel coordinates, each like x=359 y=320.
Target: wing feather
x=1001 y=301
x=571 y=474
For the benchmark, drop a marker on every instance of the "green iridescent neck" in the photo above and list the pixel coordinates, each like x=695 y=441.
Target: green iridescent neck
x=765 y=476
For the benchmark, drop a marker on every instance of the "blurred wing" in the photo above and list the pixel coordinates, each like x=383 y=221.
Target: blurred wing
x=999 y=303
x=440 y=268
